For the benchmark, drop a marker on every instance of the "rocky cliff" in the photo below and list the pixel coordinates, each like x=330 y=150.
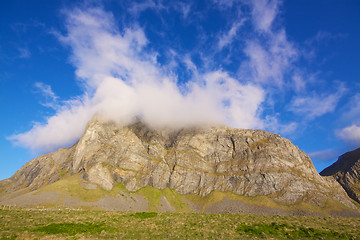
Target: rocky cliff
x=189 y=161
x=346 y=170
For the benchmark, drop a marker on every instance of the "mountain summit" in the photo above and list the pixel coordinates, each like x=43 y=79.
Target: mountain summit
x=189 y=162
x=346 y=170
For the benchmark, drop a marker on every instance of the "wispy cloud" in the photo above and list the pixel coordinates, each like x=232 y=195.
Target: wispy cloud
x=47 y=93
x=322 y=37
x=325 y=155
x=24 y=53
x=315 y=105
x=273 y=123
x=122 y=74
x=184 y=8
x=350 y=135
x=122 y=81
x=229 y=36
x=269 y=62
x=264 y=13
x=299 y=82
x=352 y=111
x=136 y=8
x=60 y=130
x=225 y=3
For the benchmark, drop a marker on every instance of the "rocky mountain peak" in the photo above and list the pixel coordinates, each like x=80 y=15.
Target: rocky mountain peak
x=346 y=170
x=189 y=161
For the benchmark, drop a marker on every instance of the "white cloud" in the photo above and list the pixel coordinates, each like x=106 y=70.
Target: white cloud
x=269 y=62
x=137 y=8
x=350 y=134
x=228 y=37
x=322 y=37
x=121 y=78
x=316 y=105
x=184 y=8
x=122 y=81
x=325 y=155
x=351 y=119
x=240 y=104
x=225 y=3
x=264 y=13
x=298 y=82
x=271 y=55
x=48 y=94
x=60 y=130
x=353 y=112
x=273 y=124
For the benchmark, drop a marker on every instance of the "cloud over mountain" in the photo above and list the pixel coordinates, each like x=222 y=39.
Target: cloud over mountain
x=184 y=71
x=122 y=81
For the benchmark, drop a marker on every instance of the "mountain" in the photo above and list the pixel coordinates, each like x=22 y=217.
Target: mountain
x=200 y=169
x=346 y=170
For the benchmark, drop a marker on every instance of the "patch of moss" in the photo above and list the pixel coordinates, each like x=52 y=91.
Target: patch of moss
x=153 y=195
x=175 y=200
x=212 y=198
x=73 y=185
x=260 y=143
x=155 y=160
x=288 y=231
x=143 y=215
x=11 y=237
x=264 y=201
x=72 y=228
x=61 y=172
x=217 y=196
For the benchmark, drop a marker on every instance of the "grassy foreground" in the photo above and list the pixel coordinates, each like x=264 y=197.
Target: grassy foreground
x=73 y=224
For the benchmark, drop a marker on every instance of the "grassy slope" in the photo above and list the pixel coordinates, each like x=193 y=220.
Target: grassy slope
x=71 y=224
x=74 y=186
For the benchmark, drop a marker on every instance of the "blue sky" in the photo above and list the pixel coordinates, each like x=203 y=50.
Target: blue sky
x=289 y=67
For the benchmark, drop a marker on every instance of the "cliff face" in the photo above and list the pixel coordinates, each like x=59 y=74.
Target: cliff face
x=190 y=161
x=346 y=170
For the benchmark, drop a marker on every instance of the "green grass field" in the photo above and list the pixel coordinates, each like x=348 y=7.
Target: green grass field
x=72 y=224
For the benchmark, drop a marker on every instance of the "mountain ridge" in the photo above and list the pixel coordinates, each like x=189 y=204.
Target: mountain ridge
x=346 y=170
x=195 y=161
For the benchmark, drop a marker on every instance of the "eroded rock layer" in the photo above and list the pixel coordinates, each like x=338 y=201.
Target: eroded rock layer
x=190 y=161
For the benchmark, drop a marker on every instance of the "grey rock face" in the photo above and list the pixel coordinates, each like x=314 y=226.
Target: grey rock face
x=346 y=170
x=41 y=171
x=190 y=161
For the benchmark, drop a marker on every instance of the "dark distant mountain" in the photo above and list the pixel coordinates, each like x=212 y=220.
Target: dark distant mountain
x=212 y=168
x=346 y=170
